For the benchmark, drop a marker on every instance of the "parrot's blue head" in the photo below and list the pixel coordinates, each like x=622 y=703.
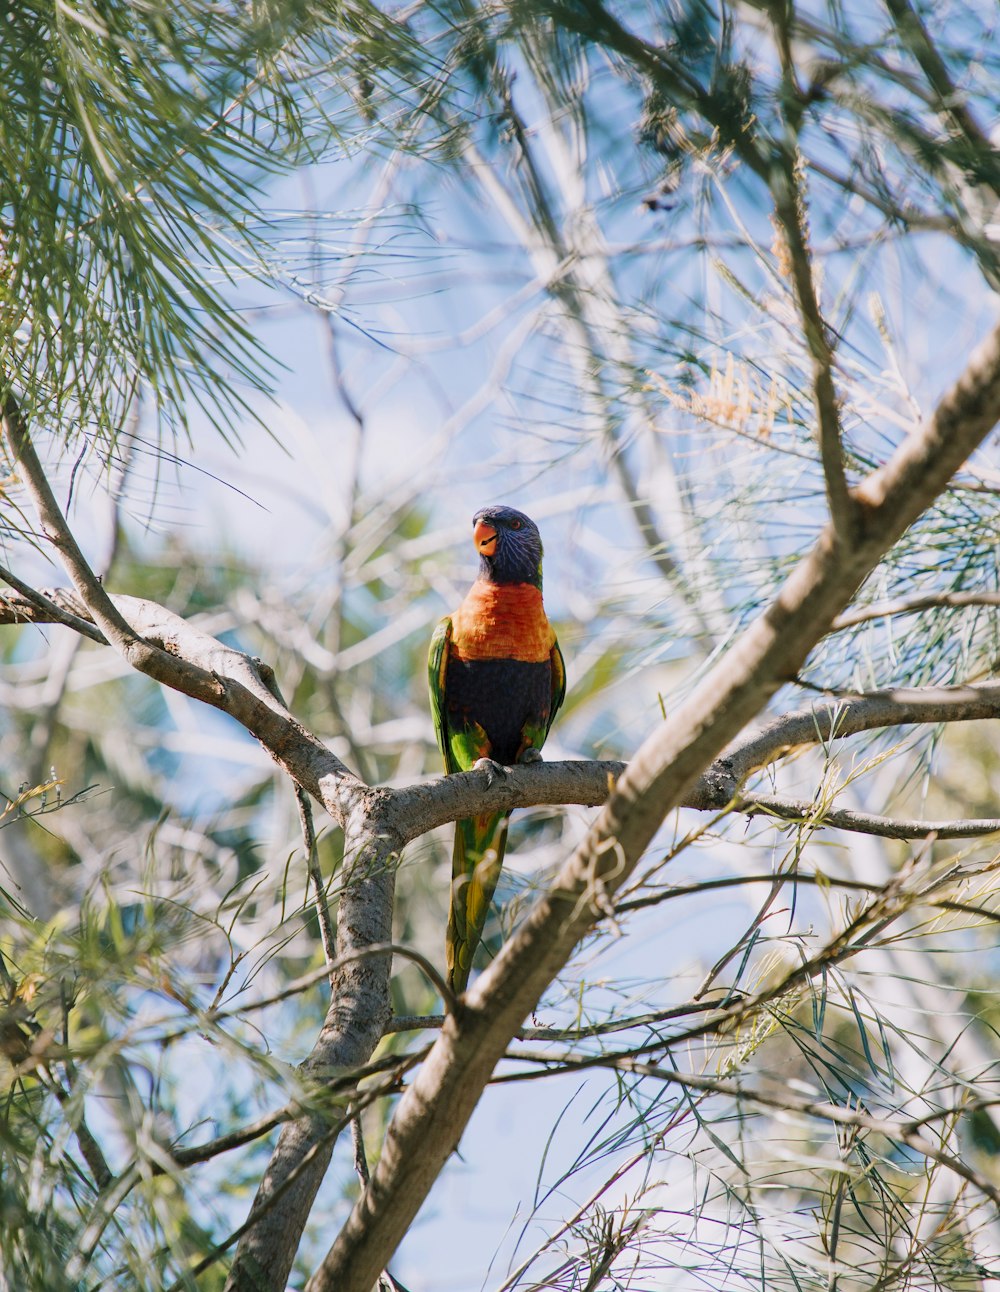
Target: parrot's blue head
x=509 y=546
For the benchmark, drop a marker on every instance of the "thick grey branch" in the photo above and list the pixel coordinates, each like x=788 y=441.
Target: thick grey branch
x=355 y=1023
x=223 y=677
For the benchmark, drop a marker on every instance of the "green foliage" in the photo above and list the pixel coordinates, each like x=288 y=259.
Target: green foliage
x=111 y=223
x=126 y=131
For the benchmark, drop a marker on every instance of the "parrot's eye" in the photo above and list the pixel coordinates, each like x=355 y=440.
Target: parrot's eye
x=515 y=524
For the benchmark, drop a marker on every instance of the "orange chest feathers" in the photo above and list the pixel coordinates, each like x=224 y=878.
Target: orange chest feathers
x=502 y=621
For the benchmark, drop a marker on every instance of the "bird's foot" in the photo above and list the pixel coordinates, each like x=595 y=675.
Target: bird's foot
x=530 y=755
x=494 y=771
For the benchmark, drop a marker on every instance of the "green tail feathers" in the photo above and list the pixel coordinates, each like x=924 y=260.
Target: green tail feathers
x=475 y=869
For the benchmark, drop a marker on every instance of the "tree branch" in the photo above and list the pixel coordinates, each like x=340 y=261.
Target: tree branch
x=912 y=605
x=199 y=665
x=820 y=723
x=787 y=184
x=952 y=104
x=355 y=1023
x=432 y=1115
x=790 y=213
x=166 y=648
x=53 y=524
x=54 y=607
x=801 y=810
x=793 y=877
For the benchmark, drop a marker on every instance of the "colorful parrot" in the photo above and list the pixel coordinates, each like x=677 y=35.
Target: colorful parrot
x=497 y=678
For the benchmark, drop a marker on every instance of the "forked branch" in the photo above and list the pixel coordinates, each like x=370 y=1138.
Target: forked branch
x=433 y=1113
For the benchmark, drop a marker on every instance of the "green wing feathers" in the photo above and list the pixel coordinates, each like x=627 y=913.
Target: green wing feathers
x=558 y=683
x=437 y=663
x=475 y=869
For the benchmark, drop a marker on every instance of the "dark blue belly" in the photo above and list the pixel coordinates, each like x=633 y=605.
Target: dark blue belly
x=503 y=696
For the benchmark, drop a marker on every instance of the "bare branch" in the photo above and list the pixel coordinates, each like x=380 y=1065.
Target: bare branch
x=105 y=615
x=853 y=714
x=355 y=1023
x=199 y=665
x=789 y=209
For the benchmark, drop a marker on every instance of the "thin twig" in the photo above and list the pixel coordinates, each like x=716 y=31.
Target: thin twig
x=107 y=617
x=904 y=1132
x=803 y=812
x=789 y=209
x=952 y=103
x=911 y=606
x=360 y=1156
x=50 y=610
x=326 y=932
x=788 y=189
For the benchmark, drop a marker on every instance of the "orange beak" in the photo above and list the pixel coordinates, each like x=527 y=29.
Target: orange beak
x=485 y=538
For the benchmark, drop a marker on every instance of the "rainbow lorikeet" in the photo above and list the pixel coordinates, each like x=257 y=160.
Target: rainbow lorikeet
x=497 y=678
